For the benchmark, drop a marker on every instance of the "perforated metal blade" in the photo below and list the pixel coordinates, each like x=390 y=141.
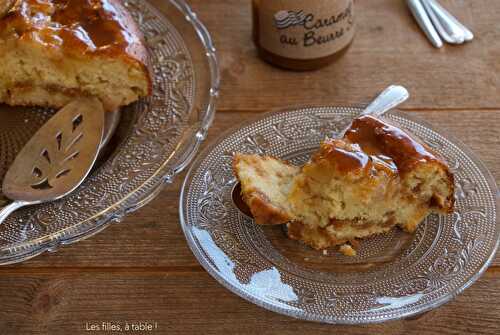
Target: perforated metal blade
x=59 y=156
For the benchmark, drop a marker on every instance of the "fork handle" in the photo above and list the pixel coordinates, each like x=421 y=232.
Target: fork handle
x=10 y=208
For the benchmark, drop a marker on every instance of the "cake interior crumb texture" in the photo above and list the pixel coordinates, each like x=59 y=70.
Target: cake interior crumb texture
x=52 y=51
x=373 y=179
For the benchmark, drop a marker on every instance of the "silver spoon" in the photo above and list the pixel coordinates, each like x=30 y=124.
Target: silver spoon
x=452 y=26
x=447 y=28
x=391 y=97
x=57 y=158
x=423 y=20
x=449 y=32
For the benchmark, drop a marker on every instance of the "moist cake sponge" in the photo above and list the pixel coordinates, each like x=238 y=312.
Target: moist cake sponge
x=265 y=184
x=373 y=179
x=52 y=51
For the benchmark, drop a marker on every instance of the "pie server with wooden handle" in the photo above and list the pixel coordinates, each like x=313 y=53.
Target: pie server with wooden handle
x=58 y=158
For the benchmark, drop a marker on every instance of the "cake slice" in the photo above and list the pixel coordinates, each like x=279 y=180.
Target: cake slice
x=265 y=185
x=373 y=179
x=52 y=51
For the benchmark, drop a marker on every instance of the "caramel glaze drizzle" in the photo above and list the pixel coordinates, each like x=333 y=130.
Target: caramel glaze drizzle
x=72 y=26
x=371 y=141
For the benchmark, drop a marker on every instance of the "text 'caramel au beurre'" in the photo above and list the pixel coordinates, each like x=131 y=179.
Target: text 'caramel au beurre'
x=302 y=34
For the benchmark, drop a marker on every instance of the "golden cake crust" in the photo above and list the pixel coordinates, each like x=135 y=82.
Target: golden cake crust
x=374 y=178
x=371 y=143
x=257 y=197
x=80 y=30
x=380 y=140
x=77 y=27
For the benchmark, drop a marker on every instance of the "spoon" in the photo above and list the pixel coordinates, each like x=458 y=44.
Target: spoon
x=417 y=9
x=449 y=32
x=57 y=159
x=391 y=97
x=453 y=27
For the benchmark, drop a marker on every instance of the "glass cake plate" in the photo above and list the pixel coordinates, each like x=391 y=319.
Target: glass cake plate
x=155 y=139
x=394 y=275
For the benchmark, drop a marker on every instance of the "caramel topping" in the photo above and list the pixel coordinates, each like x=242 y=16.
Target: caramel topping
x=387 y=144
x=371 y=143
x=345 y=159
x=73 y=26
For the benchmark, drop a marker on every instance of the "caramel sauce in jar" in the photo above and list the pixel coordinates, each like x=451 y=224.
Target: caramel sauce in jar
x=302 y=35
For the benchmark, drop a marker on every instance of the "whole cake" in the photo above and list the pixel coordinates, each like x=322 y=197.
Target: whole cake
x=52 y=51
x=374 y=178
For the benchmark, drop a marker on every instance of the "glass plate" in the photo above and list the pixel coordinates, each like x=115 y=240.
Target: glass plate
x=394 y=275
x=155 y=139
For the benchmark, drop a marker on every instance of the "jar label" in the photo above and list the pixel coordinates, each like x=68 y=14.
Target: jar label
x=305 y=29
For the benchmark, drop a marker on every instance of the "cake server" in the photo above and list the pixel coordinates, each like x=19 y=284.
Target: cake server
x=57 y=159
x=111 y=122
x=391 y=97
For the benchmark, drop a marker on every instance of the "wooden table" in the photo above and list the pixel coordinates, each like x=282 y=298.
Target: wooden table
x=142 y=269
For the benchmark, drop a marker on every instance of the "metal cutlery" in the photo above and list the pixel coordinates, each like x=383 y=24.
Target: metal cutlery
x=423 y=20
x=58 y=158
x=438 y=24
x=447 y=32
x=445 y=16
x=111 y=121
x=391 y=97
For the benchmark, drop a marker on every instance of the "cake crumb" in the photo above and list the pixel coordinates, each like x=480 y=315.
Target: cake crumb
x=347 y=250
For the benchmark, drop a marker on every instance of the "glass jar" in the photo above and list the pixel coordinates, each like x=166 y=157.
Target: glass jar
x=302 y=34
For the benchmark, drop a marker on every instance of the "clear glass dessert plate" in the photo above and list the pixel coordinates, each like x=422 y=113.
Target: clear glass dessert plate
x=155 y=139
x=394 y=275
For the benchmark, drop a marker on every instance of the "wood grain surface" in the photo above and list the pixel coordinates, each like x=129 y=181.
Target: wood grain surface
x=389 y=47
x=142 y=270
